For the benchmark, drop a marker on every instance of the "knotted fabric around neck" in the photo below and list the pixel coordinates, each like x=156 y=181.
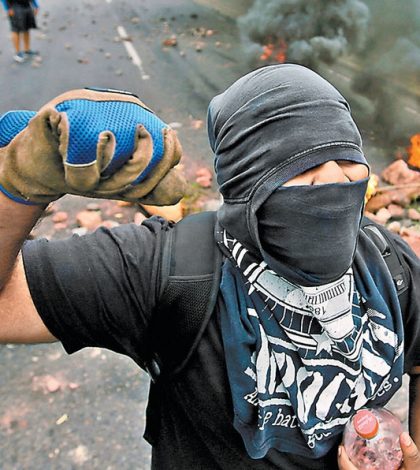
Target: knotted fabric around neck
x=302 y=360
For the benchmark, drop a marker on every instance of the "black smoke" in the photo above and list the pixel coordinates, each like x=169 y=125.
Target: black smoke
x=376 y=41
x=390 y=69
x=315 y=31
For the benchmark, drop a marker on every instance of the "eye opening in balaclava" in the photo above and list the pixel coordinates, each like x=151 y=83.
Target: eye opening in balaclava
x=269 y=126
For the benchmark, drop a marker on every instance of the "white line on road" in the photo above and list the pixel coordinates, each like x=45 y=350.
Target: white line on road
x=343 y=77
x=132 y=53
x=411 y=110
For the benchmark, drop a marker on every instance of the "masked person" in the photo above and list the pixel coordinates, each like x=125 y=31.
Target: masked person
x=307 y=327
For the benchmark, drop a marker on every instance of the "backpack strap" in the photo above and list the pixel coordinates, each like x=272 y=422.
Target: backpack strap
x=189 y=283
x=386 y=245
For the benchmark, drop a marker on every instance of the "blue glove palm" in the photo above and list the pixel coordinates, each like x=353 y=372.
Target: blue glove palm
x=102 y=143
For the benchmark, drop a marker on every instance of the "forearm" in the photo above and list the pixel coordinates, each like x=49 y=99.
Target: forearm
x=414 y=408
x=16 y=222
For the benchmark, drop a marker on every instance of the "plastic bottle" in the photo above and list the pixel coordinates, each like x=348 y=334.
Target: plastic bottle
x=371 y=440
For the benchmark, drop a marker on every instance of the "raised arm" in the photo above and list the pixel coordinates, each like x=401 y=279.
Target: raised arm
x=118 y=149
x=19 y=320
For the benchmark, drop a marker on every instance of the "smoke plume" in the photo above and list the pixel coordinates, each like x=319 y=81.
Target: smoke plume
x=390 y=69
x=314 y=31
x=377 y=42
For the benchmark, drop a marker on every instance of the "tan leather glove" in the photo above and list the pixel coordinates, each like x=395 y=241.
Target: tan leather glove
x=102 y=144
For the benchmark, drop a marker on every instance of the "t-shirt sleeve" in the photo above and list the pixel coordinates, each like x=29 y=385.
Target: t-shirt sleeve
x=99 y=289
x=411 y=315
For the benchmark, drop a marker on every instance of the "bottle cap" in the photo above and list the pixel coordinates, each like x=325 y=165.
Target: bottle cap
x=366 y=424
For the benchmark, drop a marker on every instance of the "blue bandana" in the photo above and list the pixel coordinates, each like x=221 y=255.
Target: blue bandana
x=302 y=360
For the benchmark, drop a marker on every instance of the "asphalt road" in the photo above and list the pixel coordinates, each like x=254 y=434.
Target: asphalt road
x=87 y=411
x=81 y=44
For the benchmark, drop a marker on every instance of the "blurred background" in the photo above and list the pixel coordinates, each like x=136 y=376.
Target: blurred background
x=87 y=410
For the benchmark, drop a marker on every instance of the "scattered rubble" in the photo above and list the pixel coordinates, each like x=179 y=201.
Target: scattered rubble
x=204 y=177
x=109 y=223
x=175 y=125
x=170 y=42
x=197 y=123
x=93 y=206
x=60 y=217
x=199 y=46
x=399 y=173
x=90 y=220
x=80 y=231
x=62 y=419
x=51 y=384
x=79 y=455
x=396 y=205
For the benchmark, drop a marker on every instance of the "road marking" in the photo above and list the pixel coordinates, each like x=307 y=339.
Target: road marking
x=108 y=1
x=343 y=77
x=411 y=110
x=132 y=53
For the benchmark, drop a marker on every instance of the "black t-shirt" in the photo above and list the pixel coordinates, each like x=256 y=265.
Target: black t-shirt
x=19 y=3
x=101 y=290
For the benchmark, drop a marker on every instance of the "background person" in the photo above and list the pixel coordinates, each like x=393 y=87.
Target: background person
x=22 y=19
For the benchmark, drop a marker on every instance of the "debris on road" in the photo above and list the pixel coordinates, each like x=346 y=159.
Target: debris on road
x=397 y=204
x=62 y=419
x=204 y=177
x=93 y=206
x=199 y=46
x=110 y=223
x=51 y=384
x=170 y=42
x=80 y=455
x=80 y=231
x=197 y=124
x=60 y=217
x=90 y=220
x=175 y=125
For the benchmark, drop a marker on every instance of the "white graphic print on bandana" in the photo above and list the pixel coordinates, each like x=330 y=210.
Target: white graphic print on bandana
x=314 y=358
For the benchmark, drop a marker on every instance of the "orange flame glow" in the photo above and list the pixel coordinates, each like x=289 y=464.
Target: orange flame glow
x=274 y=52
x=414 y=151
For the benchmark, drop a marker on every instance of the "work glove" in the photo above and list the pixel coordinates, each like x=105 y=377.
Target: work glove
x=95 y=143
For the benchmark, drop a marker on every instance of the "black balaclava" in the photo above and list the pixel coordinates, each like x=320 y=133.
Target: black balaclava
x=269 y=126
